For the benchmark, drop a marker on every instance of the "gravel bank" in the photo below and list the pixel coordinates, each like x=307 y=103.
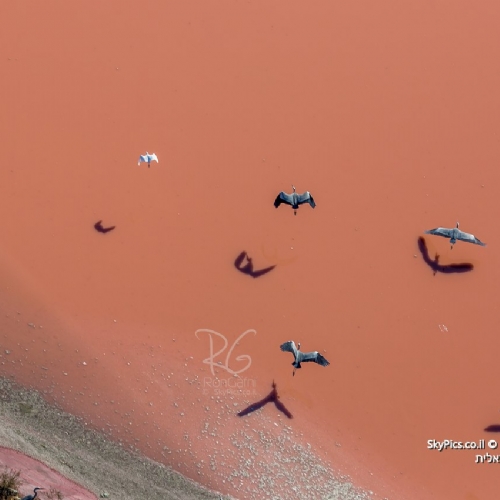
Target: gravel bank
x=272 y=462
x=28 y=424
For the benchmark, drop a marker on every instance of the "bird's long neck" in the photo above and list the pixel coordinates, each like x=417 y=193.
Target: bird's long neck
x=293 y=187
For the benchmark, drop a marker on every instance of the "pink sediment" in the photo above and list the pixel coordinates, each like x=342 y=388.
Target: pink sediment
x=384 y=112
x=35 y=474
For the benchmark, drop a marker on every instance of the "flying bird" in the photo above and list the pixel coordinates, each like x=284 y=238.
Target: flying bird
x=148 y=158
x=100 y=229
x=294 y=199
x=454 y=235
x=302 y=357
x=32 y=497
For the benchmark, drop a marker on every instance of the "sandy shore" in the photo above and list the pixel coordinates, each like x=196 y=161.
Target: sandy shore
x=64 y=443
x=42 y=431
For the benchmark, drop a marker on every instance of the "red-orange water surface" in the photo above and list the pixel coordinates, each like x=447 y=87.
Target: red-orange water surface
x=386 y=111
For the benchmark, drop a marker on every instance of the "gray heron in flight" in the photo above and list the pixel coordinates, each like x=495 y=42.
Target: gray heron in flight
x=32 y=497
x=147 y=158
x=454 y=235
x=302 y=357
x=294 y=199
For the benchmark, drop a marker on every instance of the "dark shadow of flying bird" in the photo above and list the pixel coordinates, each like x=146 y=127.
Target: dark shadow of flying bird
x=272 y=397
x=302 y=357
x=98 y=227
x=294 y=199
x=440 y=268
x=248 y=267
x=493 y=428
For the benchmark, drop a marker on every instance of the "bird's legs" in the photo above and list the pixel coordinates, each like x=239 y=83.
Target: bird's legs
x=295 y=212
x=295 y=368
x=453 y=242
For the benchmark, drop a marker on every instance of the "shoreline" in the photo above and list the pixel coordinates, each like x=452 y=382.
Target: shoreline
x=210 y=447
x=64 y=443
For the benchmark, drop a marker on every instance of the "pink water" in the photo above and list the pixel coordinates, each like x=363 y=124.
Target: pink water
x=386 y=112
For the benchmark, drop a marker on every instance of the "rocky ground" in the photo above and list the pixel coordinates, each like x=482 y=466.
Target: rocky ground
x=271 y=461
x=30 y=425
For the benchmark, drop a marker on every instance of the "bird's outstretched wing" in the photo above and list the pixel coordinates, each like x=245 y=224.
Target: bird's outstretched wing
x=440 y=231
x=283 y=198
x=142 y=158
x=306 y=197
x=322 y=360
x=153 y=157
x=314 y=356
x=470 y=238
x=289 y=347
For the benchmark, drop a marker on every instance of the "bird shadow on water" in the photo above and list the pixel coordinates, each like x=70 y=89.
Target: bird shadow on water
x=272 y=397
x=248 y=267
x=441 y=268
x=492 y=428
x=100 y=229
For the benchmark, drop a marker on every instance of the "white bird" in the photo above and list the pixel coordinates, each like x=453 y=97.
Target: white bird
x=148 y=158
